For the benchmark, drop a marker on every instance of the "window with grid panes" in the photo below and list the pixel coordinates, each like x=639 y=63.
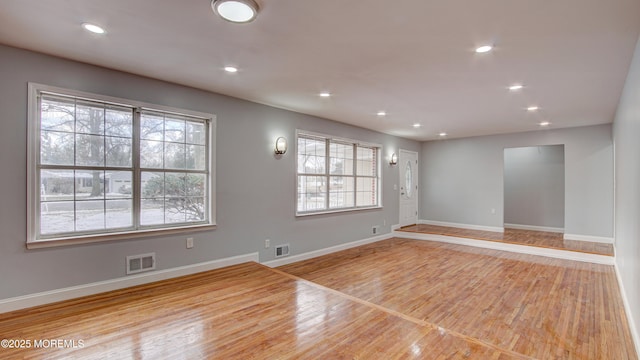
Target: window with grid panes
x=101 y=166
x=335 y=174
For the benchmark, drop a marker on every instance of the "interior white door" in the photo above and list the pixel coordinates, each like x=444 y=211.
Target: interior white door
x=408 y=161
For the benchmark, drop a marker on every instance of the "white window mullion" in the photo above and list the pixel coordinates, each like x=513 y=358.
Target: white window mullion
x=355 y=175
x=327 y=174
x=136 y=176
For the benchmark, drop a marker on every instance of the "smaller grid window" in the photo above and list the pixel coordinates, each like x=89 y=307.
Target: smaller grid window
x=335 y=174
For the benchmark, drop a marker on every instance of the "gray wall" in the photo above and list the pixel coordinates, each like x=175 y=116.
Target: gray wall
x=534 y=186
x=255 y=191
x=462 y=179
x=626 y=132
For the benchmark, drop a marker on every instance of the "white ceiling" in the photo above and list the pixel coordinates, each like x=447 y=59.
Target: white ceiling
x=414 y=59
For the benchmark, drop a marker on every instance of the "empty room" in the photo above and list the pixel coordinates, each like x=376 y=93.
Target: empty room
x=262 y=179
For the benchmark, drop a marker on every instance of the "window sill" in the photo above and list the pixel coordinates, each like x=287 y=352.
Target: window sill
x=334 y=211
x=88 y=239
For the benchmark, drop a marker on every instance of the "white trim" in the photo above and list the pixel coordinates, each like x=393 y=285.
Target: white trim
x=395 y=227
x=627 y=310
x=47 y=297
x=598 y=239
x=85 y=95
x=522 y=249
x=534 y=228
x=463 y=226
x=325 y=251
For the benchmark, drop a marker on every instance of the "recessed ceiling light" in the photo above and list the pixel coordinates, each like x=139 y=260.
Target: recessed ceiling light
x=93 y=28
x=231 y=69
x=325 y=94
x=545 y=123
x=416 y=125
x=516 y=87
x=382 y=113
x=484 y=49
x=442 y=134
x=237 y=11
x=533 y=108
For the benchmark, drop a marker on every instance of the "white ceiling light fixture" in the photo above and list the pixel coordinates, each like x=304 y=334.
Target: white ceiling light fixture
x=516 y=87
x=544 y=123
x=325 y=94
x=416 y=125
x=382 y=113
x=533 y=108
x=93 y=28
x=231 y=69
x=484 y=49
x=236 y=11
x=442 y=134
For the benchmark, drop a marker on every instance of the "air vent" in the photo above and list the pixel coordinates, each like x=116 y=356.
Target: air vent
x=141 y=263
x=282 y=250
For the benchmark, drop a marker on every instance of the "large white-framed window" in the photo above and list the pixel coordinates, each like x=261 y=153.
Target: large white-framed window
x=103 y=168
x=335 y=174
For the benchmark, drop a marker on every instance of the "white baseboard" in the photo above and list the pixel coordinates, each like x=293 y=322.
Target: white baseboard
x=598 y=239
x=462 y=226
x=534 y=228
x=522 y=249
x=47 y=297
x=628 y=312
x=312 y=254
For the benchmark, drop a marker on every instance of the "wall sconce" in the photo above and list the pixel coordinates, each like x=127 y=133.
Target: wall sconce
x=281 y=146
x=394 y=159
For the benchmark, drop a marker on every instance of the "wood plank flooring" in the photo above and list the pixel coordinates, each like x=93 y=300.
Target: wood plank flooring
x=394 y=299
x=536 y=306
x=515 y=236
x=245 y=311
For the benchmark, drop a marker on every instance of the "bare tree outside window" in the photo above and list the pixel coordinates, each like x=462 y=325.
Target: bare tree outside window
x=86 y=172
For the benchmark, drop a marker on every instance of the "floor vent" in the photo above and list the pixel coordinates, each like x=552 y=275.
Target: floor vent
x=140 y=263
x=282 y=250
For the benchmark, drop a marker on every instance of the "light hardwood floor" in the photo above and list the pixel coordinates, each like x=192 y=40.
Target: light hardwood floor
x=394 y=299
x=540 y=307
x=515 y=236
x=246 y=311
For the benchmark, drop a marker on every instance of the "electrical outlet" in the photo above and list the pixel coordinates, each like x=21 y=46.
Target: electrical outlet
x=375 y=230
x=267 y=243
x=189 y=242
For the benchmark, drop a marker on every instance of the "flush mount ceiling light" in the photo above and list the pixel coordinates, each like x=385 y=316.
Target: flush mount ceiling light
x=533 y=108
x=325 y=94
x=416 y=125
x=382 y=113
x=231 y=69
x=442 y=134
x=93 y=28
x=544 y=123
x=516 y=87
x=237 y=11
x=484 y=49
